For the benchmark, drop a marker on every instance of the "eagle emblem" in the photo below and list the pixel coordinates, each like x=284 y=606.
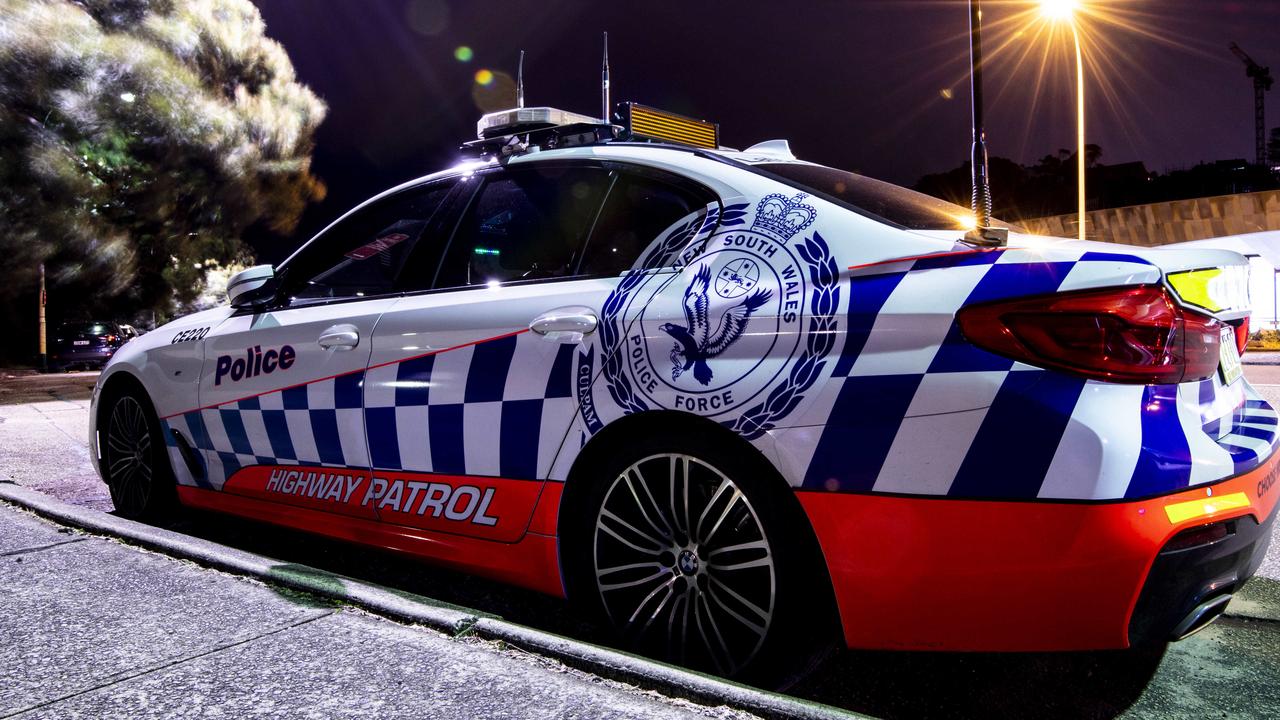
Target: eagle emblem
x=695 y=343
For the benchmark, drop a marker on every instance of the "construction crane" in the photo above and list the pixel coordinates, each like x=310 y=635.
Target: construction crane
x=1262 y=82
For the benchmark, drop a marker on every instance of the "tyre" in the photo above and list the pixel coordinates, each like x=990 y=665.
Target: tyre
x=134 y=460
x=696 y=553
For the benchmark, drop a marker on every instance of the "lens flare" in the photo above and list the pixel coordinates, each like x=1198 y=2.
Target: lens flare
x=1058 y=9
x=1031 y=62
x=463 y=54
x=484 y=77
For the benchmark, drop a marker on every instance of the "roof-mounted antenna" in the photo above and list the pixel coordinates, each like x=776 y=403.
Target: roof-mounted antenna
x=982 y=233
x=520 y=82
x=604 y=82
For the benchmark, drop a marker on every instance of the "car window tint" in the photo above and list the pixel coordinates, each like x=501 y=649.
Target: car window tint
x=86 y=329
x=524 y=224
x=637 y=210
x=908 y=208
x=363 y=254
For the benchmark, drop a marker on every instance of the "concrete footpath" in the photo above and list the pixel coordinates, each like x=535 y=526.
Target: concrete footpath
x=92 y=627
x=95 y=628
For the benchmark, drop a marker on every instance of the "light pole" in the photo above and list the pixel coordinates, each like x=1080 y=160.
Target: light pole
x=44 y=350
x=1065 y=11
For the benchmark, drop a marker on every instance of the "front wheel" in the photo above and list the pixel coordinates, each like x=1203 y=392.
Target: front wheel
x=695 y=557
x=133 y=459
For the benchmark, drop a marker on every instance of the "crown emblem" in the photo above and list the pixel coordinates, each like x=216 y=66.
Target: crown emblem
x=781 y=217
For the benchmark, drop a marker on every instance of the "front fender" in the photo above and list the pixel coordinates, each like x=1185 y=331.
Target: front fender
x=167 y=362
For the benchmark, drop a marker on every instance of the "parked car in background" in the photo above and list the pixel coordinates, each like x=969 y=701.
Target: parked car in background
x=87 y=343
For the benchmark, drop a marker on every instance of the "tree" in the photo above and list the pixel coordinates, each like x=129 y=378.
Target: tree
x=138 y=140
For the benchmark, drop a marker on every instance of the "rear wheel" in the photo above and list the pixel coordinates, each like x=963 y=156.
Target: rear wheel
x=134 y=463
x=692 y=553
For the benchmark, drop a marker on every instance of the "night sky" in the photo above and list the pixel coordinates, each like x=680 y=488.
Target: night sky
x=861 y=85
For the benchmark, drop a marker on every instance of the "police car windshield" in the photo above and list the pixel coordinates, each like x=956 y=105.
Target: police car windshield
x=897 y=205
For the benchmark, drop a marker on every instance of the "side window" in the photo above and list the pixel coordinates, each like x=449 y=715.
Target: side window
x=637 y=210
x=363 y=254
x=524 y=224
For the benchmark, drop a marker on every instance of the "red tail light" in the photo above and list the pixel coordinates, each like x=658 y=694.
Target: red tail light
x=1128 y=335
x=1242 y=335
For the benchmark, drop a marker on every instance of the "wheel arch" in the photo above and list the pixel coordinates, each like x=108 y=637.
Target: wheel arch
x=665 y=422
x=117 y=384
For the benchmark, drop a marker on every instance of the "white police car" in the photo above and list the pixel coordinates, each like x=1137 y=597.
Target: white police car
x=743 y=406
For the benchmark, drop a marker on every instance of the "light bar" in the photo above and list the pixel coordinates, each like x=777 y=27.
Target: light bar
x=521 y=120
x=650 y=123
x=1190 y=509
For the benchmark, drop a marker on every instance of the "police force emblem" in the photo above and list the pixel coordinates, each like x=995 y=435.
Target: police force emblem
x=738 y=335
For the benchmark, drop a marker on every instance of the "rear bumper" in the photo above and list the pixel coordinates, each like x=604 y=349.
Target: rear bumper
x=1189 y=586
x=934 y=573
x=96 y=356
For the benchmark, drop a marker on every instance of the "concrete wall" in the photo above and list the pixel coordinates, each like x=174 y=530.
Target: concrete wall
x=1171 y=222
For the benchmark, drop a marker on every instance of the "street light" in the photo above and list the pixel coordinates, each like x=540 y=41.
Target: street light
x=1065 y=11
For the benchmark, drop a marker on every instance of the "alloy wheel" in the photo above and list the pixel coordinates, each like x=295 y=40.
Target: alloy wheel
x=128 y=456
x=683 y=565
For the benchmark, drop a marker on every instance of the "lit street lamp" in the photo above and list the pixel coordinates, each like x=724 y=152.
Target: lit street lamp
x=1065 y=11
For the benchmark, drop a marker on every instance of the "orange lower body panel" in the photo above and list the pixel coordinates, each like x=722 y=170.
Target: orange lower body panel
x=532 y=562
x=940 y=574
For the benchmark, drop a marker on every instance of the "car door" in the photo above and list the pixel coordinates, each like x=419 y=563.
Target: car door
x=281 y=391
x=470 y=389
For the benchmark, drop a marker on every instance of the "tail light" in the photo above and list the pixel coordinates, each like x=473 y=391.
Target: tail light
x=1128 y=335
x=1242 y=335
x=109 y=338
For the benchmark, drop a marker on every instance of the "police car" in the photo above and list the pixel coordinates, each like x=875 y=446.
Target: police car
x=742 y=406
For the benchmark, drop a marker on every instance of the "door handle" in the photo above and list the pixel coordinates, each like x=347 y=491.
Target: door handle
x=340 y=337
x=566 y=325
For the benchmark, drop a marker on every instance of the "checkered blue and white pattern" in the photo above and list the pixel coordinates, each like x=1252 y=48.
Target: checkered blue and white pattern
x=913 y=408
x=910 y=406
x=315 y=424
x=485 y=409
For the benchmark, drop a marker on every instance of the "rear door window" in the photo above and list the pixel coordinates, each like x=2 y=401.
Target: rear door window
x=638 y=209
x=523 y=224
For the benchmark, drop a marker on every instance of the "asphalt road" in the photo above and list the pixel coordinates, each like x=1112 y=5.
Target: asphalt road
x=1232 y=669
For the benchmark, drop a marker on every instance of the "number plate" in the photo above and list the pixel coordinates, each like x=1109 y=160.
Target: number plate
x=79 y=342
x=1229 y=357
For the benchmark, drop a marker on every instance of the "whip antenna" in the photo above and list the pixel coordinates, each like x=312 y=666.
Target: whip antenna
x=520 y=82
x=604 y=82
x=982 y=233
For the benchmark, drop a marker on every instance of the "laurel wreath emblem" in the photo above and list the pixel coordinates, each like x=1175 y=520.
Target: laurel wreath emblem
x=754 y=422
x=682 y=235
x=825 y=276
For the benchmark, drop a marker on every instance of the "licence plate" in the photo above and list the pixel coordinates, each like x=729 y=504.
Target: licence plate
x=79 y=342
x=1229 y=357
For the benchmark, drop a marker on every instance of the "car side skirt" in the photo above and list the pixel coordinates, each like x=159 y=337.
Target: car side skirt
x=531 y=563
x=918 y=573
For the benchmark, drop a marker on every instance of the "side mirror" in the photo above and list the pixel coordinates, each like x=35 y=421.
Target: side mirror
x=253 y=286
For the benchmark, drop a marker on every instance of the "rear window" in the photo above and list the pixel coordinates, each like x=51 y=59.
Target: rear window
x=885 y=201
x=86 y=328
